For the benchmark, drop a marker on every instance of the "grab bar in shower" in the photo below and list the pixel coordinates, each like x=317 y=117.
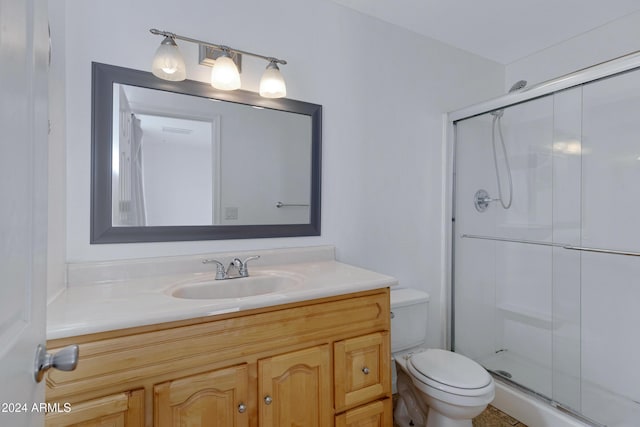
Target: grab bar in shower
x=555 y=245
x=286 y=205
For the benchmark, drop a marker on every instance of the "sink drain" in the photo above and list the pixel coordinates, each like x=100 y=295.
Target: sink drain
x=503 y=373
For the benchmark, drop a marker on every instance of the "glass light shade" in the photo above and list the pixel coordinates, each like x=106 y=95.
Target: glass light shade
x=168 y=63
x=272 y=83
x=224 y=74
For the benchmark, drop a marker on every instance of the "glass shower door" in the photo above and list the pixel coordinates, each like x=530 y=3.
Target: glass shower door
x=611 y=221
x=546 y=288
x=516 y=294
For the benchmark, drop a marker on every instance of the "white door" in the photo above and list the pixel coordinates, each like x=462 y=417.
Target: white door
x=23 y=206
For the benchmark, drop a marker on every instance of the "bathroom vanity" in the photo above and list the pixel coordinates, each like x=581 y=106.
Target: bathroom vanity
x=321 y=358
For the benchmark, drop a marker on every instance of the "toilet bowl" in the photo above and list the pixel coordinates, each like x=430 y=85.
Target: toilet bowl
x=454 y=388
x=436 y=388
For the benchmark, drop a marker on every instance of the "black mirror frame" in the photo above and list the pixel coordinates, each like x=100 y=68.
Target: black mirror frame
x=102 y=230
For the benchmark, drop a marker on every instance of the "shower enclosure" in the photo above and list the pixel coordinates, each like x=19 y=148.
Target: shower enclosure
x=546 y=292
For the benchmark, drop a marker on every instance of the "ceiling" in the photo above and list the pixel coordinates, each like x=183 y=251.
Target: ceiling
x=501 y=30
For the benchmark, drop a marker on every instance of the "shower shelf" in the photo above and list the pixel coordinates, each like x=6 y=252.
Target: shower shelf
x=529 y=317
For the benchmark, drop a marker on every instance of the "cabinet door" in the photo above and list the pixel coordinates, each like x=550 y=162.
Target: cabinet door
x=294 y=389
x=212 y=399
x=362 y=369
x=118 y=410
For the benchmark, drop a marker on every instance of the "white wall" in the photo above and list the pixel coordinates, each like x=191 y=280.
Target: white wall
x=609 y=41
x=383 y=90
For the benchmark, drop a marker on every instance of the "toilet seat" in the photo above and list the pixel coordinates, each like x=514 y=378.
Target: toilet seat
x=450 y=372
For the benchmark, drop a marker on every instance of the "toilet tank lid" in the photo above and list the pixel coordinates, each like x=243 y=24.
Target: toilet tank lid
x=401 y=297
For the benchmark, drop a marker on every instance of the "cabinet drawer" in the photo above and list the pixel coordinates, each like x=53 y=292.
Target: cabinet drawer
x=362 y=369
x=375 y=414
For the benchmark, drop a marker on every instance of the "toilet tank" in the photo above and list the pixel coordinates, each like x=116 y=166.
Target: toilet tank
x=408 y=318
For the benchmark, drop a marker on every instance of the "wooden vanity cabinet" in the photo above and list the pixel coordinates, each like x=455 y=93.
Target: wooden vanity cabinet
x=315 y=363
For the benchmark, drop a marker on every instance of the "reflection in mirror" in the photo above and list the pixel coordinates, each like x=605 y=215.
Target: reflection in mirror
x=184 y=161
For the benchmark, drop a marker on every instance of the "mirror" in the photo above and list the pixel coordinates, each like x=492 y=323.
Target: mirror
x=184 y=161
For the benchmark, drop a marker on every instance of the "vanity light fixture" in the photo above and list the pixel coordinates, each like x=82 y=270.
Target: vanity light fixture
x=272 y=84
x=224 y=73
x=168 y=64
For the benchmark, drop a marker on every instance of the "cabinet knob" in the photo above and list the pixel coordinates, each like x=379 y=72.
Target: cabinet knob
x=242 y=408
x=365 y=370
x=268 y=400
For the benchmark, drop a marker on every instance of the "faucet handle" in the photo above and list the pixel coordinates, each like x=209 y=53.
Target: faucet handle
x=220 y=273
x=243 y=265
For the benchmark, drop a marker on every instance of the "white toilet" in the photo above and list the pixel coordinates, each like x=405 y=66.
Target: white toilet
x=436 y=388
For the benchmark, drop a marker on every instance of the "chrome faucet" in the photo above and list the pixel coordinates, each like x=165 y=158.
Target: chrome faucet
x=237 y=264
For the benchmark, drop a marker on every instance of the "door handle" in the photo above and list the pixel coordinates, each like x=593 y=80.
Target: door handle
x=64 y=360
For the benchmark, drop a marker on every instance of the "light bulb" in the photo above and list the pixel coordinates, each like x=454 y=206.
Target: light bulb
x=224 y=74
x=272 y=83
x=168 y=63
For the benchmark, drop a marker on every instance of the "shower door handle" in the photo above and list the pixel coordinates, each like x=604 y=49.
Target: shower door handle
x=555 y=245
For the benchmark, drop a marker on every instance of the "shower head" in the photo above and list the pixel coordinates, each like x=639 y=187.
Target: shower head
x=520 y=84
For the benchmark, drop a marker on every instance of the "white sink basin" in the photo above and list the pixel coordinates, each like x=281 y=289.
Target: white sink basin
x=258 y=284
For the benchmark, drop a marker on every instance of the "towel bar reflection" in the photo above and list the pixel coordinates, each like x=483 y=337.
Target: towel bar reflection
x=286 y=205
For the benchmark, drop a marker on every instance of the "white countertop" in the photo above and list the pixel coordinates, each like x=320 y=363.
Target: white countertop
x=106 y=306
